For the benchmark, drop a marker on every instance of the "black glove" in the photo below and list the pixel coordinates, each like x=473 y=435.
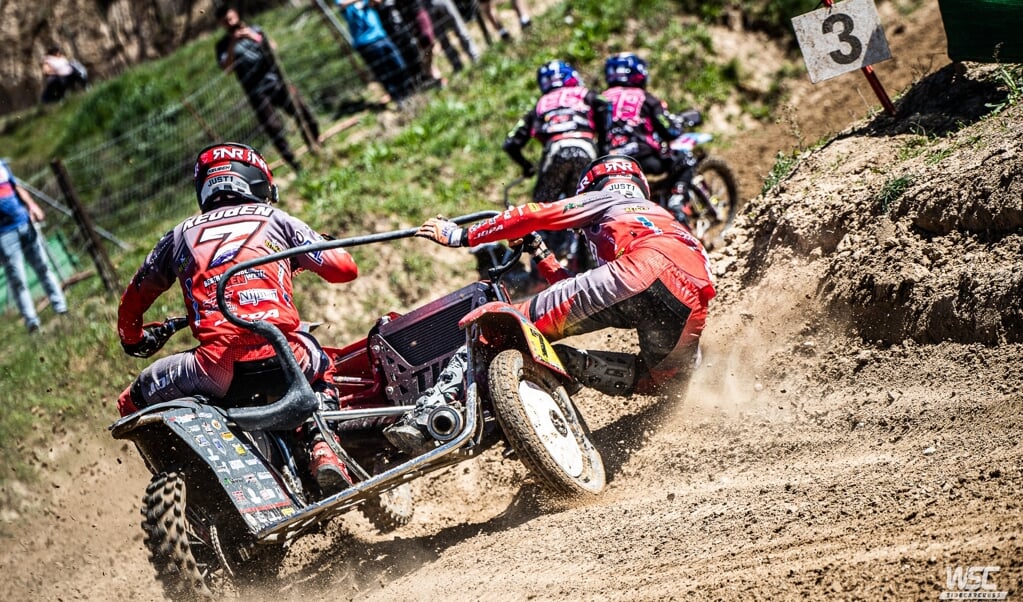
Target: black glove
x=154 y=337
x=533 y=244
x=528 y=171
x=146 y=347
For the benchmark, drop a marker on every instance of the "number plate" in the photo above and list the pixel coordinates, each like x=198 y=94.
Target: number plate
x=841 y=38
x=540 y=348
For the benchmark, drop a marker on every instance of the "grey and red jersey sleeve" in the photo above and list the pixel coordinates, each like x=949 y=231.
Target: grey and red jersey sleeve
x=155 y=276
x=573 y=212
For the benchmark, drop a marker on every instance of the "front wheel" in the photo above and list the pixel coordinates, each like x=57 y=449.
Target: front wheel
x=543 y=427
x=714 y=201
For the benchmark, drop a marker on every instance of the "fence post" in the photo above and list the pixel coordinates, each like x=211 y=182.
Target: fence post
x=94 y=245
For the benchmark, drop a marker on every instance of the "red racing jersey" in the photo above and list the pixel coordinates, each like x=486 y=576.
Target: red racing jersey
x=200 y=249
x=612 y=224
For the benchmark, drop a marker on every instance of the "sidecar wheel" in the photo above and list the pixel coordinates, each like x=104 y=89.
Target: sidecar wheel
x=543 y=427
x=188 y=550
x=718 y=182
x=391 y=509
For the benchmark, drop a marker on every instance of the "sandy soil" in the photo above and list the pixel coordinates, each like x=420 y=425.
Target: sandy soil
x=852 y=434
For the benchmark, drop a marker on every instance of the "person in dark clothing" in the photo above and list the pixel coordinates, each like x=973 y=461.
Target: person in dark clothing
x=401 y=32
x=248 y=52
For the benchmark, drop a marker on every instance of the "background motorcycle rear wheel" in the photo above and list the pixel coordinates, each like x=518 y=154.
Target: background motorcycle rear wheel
x=188 y=545
x=543 y=427
x=716 y=180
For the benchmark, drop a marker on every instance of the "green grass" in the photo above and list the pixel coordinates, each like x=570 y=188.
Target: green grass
x=447 y=159
x=1012 y=79
x=892 y=190
x=784 y=163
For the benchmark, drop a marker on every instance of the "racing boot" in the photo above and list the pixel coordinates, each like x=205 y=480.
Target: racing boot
x=609 y=372
x=434 y=418
x=327 y=469
x=330 y=474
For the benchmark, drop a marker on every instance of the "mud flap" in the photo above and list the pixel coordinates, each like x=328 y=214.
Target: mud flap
x=234 y=461
x=501 y=317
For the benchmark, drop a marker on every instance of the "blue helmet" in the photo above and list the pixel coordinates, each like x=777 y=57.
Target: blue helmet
x=625 y=69
x=556 y=74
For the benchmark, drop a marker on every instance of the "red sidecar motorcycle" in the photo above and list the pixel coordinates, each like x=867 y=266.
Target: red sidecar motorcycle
x=230 y=492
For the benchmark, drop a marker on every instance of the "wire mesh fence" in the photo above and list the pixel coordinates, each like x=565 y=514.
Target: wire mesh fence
x=140 y=176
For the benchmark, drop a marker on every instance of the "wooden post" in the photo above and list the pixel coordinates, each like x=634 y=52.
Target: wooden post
x=212 y=135
x=94 y=245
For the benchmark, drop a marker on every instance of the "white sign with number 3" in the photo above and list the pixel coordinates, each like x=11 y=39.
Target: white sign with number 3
x=841 y=38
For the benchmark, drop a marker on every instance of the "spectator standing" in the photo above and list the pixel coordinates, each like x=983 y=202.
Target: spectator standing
x=61 y=74
x=488 y=11
x=395 y=21
x=446 y=19
x=248 y=52
x=20 y=240
x=418 y=12
x=377 y=50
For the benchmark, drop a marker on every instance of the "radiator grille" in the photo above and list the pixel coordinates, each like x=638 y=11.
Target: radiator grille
x=431 y=331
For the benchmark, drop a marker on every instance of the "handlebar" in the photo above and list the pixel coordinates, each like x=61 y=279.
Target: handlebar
x=299 y=401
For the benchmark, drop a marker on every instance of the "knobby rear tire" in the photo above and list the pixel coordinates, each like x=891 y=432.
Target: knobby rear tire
x=167 y=539
x=187 y=564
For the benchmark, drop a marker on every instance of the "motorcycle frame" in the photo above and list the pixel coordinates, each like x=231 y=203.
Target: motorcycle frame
x=488 y=327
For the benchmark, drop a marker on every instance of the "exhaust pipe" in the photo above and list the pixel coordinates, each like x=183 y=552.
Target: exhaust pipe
x=444 y=423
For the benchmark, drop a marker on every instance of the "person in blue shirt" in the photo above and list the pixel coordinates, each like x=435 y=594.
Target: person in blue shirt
x=20 y=240
x=370 y=40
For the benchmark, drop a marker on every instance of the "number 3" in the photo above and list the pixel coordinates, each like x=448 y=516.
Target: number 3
x=855 y=46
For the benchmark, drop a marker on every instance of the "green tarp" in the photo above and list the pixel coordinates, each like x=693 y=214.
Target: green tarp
x=983 y=31
x=65 y=264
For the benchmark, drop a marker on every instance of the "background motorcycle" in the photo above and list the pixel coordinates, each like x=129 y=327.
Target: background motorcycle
x=699 y=189
x=229 y=493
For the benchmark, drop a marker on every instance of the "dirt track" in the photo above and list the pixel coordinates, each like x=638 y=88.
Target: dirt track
x=803 y=463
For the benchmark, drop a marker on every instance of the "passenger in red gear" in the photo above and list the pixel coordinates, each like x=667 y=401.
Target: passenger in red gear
x=235 y=190
x=653 y=276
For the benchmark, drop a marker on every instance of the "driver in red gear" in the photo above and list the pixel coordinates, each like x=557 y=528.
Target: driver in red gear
x=235 y=190
x=653 y=276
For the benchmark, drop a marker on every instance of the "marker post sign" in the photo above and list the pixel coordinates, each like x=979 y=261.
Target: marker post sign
x=843 y=37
